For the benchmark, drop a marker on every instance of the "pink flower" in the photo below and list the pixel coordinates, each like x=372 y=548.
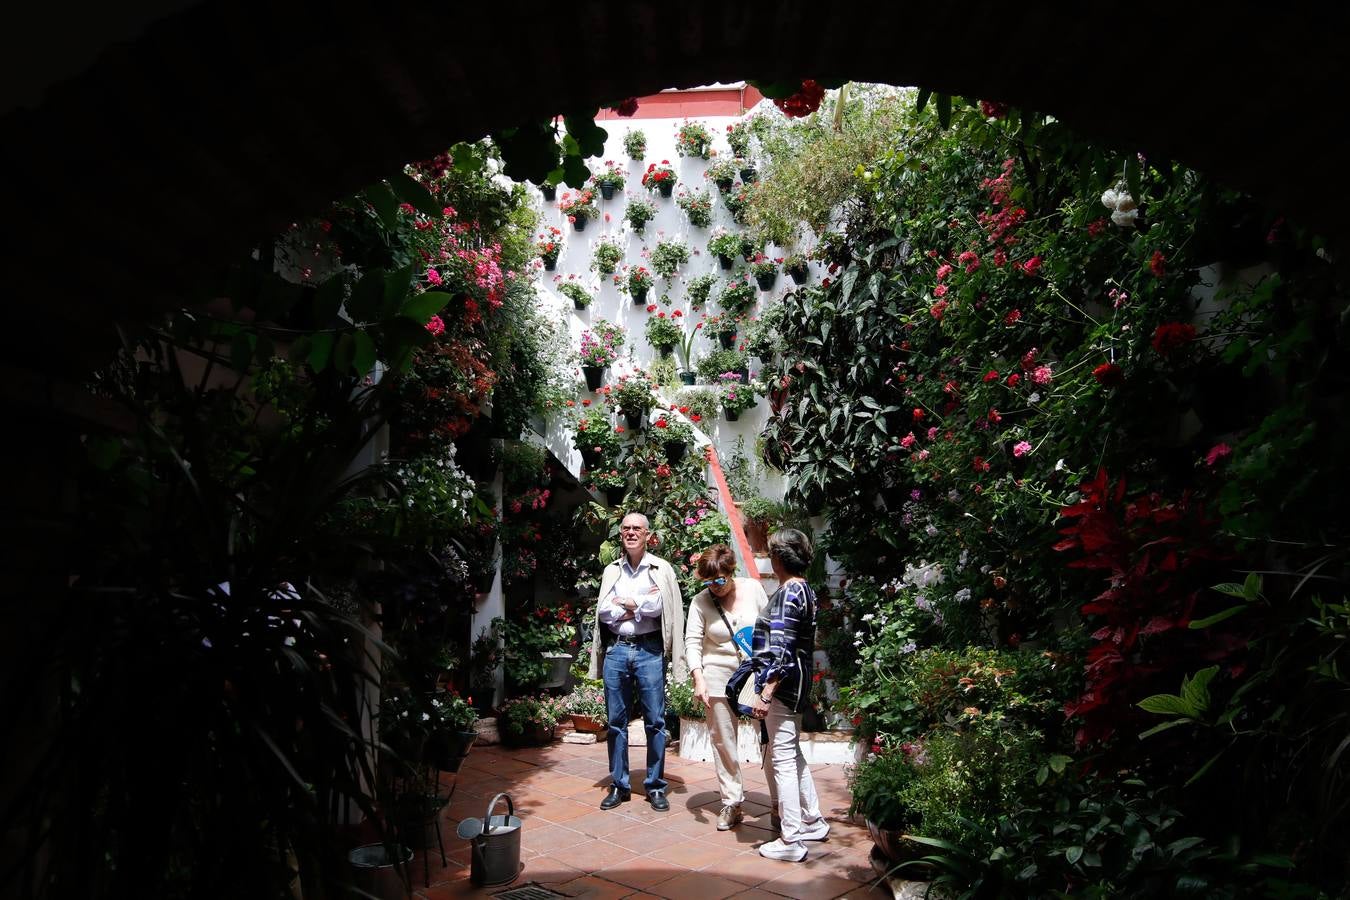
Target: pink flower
x=933 y=433
x=940 y=291
x=1021 y=448
x=434 y=277
x=1031 y=266
x=921 y=455
x=690 y=520
x=943 y=271
x=1041 y=375
x=908 y=440
x=1216 y=453
x=435 y=325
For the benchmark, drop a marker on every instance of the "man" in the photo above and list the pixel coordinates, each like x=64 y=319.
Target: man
x=639 y=625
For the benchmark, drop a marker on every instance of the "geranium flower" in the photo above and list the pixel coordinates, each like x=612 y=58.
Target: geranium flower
x=991 y=375
x=1158 y=264
x=1021 y=448
x=1216 y=453
x=1172 y=336
x=1031 y=266
x=1041 y=375
x=435 y=325
x=1108 y=374
x=908 y=440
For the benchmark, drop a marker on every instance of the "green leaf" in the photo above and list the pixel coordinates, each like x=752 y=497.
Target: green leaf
x=1167 y=705
x=396 y=286
x=1217 y=617
x=575 y=174
x=421 y=307
x=344 y=354
x=1170 y=723
x=1251 y=587
x=365 y=352
x=1058 y=761
x=322 y=351
x=1073 y=855
x=385 y=203
x=1200 y=773
x=1229 y=588
x=411 y=191
x=919 y=102
x=364 y=305
x=1195 y=690
x=944 y=110
x=590 y=137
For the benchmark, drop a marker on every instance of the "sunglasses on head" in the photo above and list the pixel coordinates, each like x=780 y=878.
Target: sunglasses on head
x=709 y=582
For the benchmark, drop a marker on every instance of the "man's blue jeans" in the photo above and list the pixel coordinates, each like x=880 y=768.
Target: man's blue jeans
x=642 y=667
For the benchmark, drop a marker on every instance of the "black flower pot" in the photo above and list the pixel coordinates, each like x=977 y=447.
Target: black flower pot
x=639 y=229
x=688 y=378
x=799 y=274
x=724 y=185
x=728 y=341
x=640 y=297
x=665 y=350
x=607 y=190
x=766 y=282
x=636 y=422
x=748 y=174
x=615 y=495
x=666 y=188
x=482 y=581
x=446 y=750
x=549 y=191
x=579 y=222
x=550 y=264
x=675 y=451
x=727 y=262
x=591 y=459
x=732 y=415
x=579 y=305
x=594 y=376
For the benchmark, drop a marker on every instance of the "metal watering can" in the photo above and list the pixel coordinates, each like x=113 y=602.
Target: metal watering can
x=496 y=845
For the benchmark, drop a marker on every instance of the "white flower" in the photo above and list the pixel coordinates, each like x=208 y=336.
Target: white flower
x=1034 y=398
x=867 y=617
x=931 y=530
x=1059 y=466
x=426 y=717
x=1109 y=198
x=1124 y=217
x=963 y=595
x=1124 y=202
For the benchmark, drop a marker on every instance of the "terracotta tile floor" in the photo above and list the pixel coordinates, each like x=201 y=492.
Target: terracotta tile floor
x=570 y=846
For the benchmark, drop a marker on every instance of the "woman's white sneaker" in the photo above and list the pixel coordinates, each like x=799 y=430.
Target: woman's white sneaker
x=818 y=830
x=776 y=849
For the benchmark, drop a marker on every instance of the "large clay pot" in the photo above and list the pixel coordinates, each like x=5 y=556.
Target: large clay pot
x=587 y=724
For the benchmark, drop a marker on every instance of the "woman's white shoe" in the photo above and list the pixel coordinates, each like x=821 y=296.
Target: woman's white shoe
x=776 y=849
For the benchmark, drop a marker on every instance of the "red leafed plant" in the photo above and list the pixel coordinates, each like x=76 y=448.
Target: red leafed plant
x=1159 y=556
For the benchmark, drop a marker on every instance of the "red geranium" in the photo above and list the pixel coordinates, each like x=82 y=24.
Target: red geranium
x=804 y=102
x=1172 y=336
x=1108 y=374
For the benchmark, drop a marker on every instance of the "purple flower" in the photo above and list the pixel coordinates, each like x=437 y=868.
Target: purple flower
x=916 y=494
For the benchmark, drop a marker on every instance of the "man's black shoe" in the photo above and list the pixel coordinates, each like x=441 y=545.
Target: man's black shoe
x=615 y=796
x=658 y=800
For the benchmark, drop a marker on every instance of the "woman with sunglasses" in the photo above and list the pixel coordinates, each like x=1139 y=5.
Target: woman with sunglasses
x=725 y=608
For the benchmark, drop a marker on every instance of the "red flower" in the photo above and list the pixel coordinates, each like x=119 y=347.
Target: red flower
x=979 y=465
x=661 y=422
x=992 y=109
x=651 y=307
x=937 y=309
x=1216 y=453
x=1158 y=264
x=804 y=102
x=1031 y=266
x=1108 y=374
x=918 y=414
x=695 y=418
x=628 y=107
x=1029 y=360
x=1096 y=228
x=1172 y=336
x=991 y=375
x=1014 y=379
x=1013 y=317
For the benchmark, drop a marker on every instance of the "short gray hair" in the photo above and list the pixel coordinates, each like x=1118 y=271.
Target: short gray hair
x=646 y=523
x=792 y=549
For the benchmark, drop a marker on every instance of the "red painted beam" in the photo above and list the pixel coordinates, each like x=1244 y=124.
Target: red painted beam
x=733 y=514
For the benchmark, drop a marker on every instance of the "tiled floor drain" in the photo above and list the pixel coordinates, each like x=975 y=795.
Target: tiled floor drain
x=528 y=892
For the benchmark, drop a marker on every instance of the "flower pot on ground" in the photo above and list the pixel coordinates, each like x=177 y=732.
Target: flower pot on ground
x=528 y=721
x=894 y=845
x=587 y=724
x=586 y=705
x=595 y=376
x=557 y=675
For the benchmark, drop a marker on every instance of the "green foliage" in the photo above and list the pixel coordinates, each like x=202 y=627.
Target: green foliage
x=606 y=256
x=698 y=206
x=639 y=212
x=701 y=401
x=635 y=143
x=574 y=291
x=716 y=362
x=693 y=139
x=668 y=256
x=699 y=288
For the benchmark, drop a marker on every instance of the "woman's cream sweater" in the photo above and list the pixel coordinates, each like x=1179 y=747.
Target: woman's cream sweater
x=707 y=642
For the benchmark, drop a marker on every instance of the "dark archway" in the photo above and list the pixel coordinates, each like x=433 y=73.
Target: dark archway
x=177 y=150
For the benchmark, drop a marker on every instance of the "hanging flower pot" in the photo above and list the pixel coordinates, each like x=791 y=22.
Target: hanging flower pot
x=482 y=581
x=766 y=281
x=446 y=750
x=666 y=187
x=799 y=273
x=591 y=458
x=727 y=262
x=550 y=263
x=724 y=184
x=728 y=341
x=579 y=222
x=636 y=422
x=578 y=305
x=675 y=451
x=549 y=191
x=665 y=350
x=688 y=378
x=640 y=296
x=606 y=190
x=594 y=376
x=748 y=174
x=615 y=495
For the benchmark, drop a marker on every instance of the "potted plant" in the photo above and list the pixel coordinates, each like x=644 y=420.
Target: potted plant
x=578 y=294
x=528 y=721
x=401 y=728
x=611 y=482
x=698 y=206
x=668 y=257
x=832 y=248
x=609 y=179
x=452 y=730
x=600 y=346
x=686 y=349
x=721 y=327
x=698 y=289
x=549 y=246
x=676 y=435
x=879 y=785
x=579 y=207
x=586 y=706
x=721 y=173
x=738 y=295
x=596 y=438
x=693 y=139
x=738 y=138
x=726 y=246
x=639 y=212
x=605 y=256
x=760 y=516
x=635 y=281
x=700 y=401
x=633 y=397
x=712 y=366
x=548 y=191
x=635 y=144
x=660 y=178
x=736 y=395
x=796 y=266
x=748 y=173
x=664 y=332
x=738 y=203
x=765 y=271
x=764 y=335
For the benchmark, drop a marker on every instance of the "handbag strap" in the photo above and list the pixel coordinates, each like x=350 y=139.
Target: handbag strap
x=740 y=654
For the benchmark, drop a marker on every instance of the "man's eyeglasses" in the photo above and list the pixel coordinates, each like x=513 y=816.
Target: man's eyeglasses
x=634 y=528
x=714 y=581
